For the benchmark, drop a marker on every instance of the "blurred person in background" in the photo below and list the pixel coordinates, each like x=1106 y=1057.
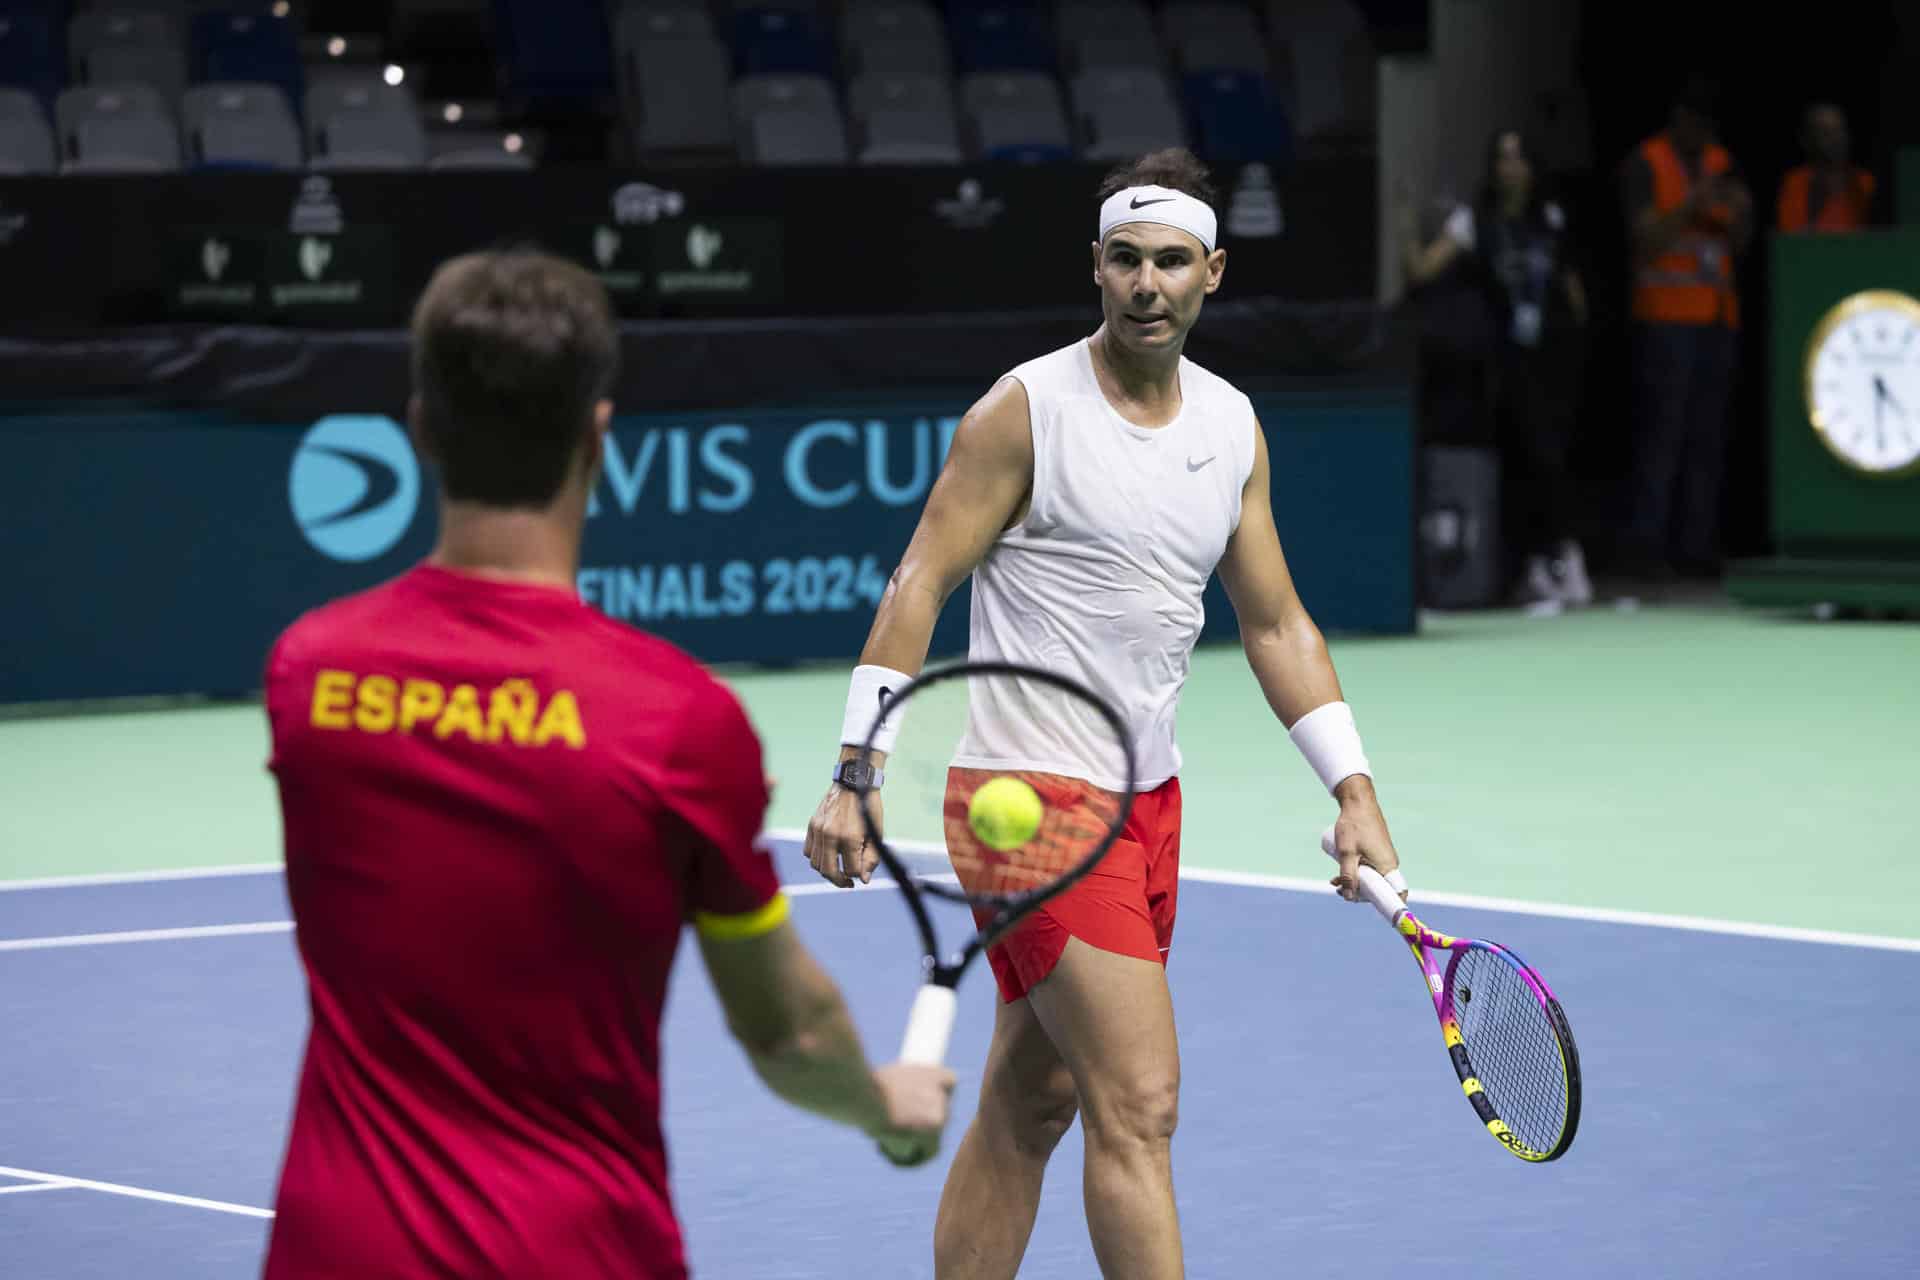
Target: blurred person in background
x=1511 y=243
x=1828 y=193
x=1689 y=215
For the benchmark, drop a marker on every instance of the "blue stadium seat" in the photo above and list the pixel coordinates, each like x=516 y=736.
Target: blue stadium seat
x=557 y=53
x=1012 y=36
x=33 y=47
x=774 y=41
x=1236 y=118
x=247 y=47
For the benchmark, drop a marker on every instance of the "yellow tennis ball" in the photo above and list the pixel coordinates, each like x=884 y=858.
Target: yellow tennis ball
x=1005 y=813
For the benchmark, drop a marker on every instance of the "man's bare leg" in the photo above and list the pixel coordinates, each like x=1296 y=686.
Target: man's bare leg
x=993 y=1188
x=1111 y=1017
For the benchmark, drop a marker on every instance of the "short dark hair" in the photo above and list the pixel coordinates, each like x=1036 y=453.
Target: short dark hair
x=1174 y=168
x=511 y=351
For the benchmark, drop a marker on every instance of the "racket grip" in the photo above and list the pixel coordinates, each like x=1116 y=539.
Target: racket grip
x=929 y=1026
x=1383 y=896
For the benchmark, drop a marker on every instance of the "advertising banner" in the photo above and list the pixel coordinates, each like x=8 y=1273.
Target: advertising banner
x=159 y=553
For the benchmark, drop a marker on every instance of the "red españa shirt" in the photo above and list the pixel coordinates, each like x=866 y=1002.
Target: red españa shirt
x=500 y=808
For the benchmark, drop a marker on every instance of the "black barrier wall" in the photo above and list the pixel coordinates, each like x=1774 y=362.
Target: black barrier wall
x=320 y=250
x=159 y=552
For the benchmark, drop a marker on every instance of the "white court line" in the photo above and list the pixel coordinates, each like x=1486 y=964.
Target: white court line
x=140 y=877
x=1512 y=906
x=146 y=935
x=60 y=1184
x=1244 y=879
x=137 y=1193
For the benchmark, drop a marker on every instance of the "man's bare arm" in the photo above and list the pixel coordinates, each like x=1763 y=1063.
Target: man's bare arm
x=790 y=1018
x=981 y=490
x=1289 y=659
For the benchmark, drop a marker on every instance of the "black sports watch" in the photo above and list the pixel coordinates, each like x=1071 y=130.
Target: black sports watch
x=858 y=774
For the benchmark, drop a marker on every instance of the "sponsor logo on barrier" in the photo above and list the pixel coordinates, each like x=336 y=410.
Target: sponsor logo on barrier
x=215 y=272
x=703 y=243
x=353 y=486
x=617 y=258
x=726 y=258
x=314 y=257
x=315 y=211
x=1253 y=213
x=970 y=209
x=644 y=202
x=606 y=244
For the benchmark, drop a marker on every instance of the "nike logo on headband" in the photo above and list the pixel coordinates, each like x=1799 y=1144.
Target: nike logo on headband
x=1138 y=203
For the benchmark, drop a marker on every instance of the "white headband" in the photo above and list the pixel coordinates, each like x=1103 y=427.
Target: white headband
x=1163 y=205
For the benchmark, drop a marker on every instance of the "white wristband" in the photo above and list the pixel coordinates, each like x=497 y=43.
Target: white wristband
x=869 y=693
x=1326 y=736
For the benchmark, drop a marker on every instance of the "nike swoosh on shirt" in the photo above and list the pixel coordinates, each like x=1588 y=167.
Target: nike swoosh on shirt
x=1195 y=466
x=1138 y=203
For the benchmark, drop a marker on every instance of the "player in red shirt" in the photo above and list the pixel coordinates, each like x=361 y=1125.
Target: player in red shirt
x=500 y=809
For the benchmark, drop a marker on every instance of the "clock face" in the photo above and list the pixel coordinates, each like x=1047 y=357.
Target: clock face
x=1863 y=381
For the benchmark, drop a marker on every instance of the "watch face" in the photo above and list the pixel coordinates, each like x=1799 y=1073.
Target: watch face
x=1863 y=382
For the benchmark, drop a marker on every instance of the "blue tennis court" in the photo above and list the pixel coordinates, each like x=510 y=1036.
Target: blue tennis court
x=1751 y=1104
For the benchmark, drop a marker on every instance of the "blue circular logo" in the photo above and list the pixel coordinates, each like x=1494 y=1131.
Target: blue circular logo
x=354 y=485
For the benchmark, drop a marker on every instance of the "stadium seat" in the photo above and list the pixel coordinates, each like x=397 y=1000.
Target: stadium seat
x=1001 y=37
x=32 y=53
x=769 y=40
x=1124 y=112
x=1080 y=22
x=238 y=125
x=1016 y=116
x=1216 y=36
x=904 y=119
x=788 y=120
x=555 y=53
x=26 y=140
x=895 y=37
x=247 y=48
x=128 y=46
x=675 y=96
x=116 y=129
x=1093 y=52
x=1325 y=56
x=1235 y=118
x=649 y=20
x=1220 y=51
x=356 y=124
x=467 y=149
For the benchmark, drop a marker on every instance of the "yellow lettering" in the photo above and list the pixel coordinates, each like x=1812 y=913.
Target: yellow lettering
x=420 y=700
x=510 y=711
x=462 y=715
x=561 y=720
x=332 y=695
x=375 y=712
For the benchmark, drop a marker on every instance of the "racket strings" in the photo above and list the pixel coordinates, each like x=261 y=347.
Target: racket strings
x=1074 y=821
x=1512 y=1046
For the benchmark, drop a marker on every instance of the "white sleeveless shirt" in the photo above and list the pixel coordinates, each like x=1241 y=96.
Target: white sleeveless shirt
x=1101 y=580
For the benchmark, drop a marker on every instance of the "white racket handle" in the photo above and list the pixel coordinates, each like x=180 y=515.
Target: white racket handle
x=929 y=1026
x=1385 y=897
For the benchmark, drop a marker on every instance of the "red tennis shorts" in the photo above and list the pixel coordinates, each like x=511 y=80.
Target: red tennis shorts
x=1125 y=905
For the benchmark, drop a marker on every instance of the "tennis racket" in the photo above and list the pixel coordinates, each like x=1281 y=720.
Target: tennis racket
x=1509 y=1042
x=951 y=722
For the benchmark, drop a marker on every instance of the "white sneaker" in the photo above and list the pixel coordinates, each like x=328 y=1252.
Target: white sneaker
x=1569 y=572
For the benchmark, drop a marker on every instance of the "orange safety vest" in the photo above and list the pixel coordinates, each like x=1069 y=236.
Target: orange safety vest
x=1691 y=282
x=1845 y=210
